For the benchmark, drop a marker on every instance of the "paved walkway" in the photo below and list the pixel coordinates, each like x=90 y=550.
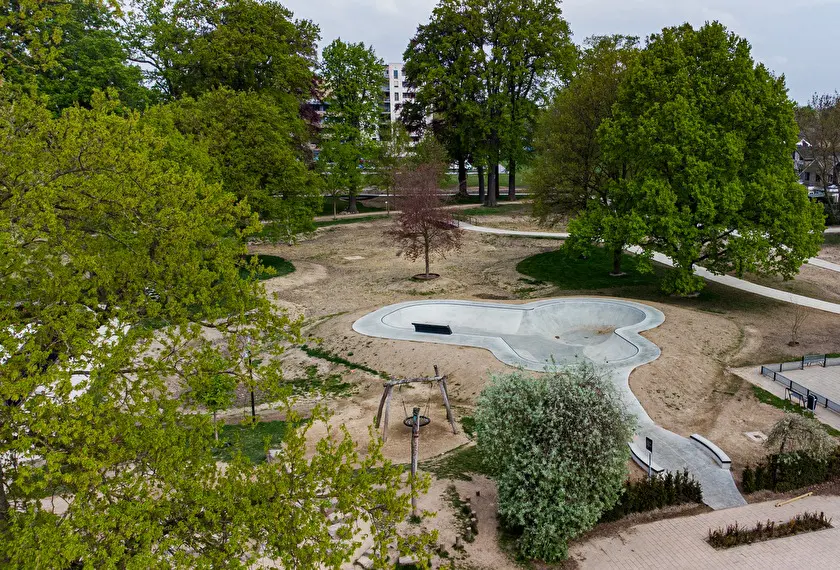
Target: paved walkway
x=727 y=280
x=681 y=542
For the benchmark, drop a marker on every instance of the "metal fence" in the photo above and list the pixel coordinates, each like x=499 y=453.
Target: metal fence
x=823 y=360
x=798 y=388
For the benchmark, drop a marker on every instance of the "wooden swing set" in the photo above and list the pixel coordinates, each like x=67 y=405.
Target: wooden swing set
x=385 y=402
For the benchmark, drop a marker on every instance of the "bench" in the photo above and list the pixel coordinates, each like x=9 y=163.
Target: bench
x=720 y=457
x=432 y=329
x=641 y=459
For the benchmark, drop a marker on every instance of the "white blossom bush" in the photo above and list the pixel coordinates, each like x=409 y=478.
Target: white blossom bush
x=556 y=445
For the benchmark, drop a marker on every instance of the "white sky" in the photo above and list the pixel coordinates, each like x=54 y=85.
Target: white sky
x=797 y=38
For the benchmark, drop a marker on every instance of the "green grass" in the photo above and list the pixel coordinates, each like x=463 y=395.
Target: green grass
x=341 y=205
x=831 y=239
x=766 y=397
x=569 y=272
x=522 y=180
x=342 y=221
x=468 y=425
x=314 y=383
x=497 y=211
x=250 y=439
x=457 y=464
x=316 y=352
x=276 y=267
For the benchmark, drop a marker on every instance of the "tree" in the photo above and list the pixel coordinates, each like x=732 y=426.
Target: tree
x=192 y=46
x=257 y=145
x=571 y=175
x=423 y=228
x=353 y=79
x=393 y=152
x=557 y=447
x=92 y=57
x=440 y=65
x=215 y=391
x=709 y=136
x=796 y=433
x=117 y=258
x=819 y=124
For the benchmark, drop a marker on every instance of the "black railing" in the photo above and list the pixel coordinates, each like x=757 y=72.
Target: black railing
x=798 y=388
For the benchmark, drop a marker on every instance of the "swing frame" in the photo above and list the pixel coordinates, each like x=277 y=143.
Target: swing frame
x=385 y=402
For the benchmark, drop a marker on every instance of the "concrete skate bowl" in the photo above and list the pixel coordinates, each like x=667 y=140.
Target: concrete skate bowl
x=563 y=331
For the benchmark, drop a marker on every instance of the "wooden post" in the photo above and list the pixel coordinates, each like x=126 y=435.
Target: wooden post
x=387 y=412
x=442 y=386
x=415 y=444
x=382 y=404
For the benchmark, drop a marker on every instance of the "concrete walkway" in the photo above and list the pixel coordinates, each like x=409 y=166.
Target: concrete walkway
x=727 y=280
x=681 y=542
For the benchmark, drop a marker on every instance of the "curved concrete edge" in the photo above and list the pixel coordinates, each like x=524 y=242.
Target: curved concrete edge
x=718 y=454
x=372 y=325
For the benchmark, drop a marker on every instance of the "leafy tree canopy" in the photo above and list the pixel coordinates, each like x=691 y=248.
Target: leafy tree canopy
x=708 y=136
x=258 y=146
x=557 y=444
x=121 y=278
x=194 y=46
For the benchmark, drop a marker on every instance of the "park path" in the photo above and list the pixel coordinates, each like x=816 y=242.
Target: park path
x=681 y=542
x=384 y=214
x=727 y=280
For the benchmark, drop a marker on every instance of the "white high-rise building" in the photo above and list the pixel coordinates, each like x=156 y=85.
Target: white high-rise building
x=395 y=93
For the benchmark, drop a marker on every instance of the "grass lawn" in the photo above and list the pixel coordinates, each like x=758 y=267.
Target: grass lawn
x=341 y=205
x=250 y=439
x=831 y=239
x=279 y=266
x=522 y=180
x=570 y=272
x=497 y=211
x=342 y=221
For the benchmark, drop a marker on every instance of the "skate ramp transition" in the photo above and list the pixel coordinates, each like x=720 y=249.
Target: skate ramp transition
x=532 y=335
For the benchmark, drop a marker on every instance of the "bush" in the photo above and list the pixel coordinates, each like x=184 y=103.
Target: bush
x=557 y=448
x=640 y=496
x=735 y=535
x=787 y=471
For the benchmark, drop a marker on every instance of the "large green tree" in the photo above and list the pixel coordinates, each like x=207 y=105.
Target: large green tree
x=504 y=52
x=708 y=135
x=118 y=259
x=192 y=46
x=92 y=57
x=353 y=77
x=571 y=176
x=440 y=65
x=557 y=446
x=256 y=144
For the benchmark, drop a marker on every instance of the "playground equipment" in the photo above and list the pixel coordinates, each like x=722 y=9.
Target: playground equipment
x=410 y=420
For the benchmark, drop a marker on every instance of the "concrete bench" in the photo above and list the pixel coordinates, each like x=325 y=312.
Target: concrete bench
x=640 y=456
x=720 y=457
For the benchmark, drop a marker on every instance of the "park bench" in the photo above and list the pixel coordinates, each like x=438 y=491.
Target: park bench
x=641 y=459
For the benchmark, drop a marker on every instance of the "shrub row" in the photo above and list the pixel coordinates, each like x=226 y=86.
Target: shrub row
x=649 y=494
x=734 y=535
x=786 y=471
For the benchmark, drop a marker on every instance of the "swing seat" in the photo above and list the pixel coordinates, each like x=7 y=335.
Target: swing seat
x=424 y=421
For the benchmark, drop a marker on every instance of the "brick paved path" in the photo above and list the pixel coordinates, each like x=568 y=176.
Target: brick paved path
x=680 y=542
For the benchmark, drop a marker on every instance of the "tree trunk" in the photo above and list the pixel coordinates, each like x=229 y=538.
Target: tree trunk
x=426 y=247
x=492 y=184
x=462 y=178
x=215 y=426
x=512 y=180
x=335 y=207
x=4 y=500
x=351 y=206
x=480 y=184
x=616 y=255
x=496 y=186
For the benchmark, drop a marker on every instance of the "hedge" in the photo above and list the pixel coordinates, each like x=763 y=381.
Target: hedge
x=673 y=489
x=787 y=471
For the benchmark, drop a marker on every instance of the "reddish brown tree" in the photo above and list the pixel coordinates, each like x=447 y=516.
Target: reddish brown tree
x=423 y=227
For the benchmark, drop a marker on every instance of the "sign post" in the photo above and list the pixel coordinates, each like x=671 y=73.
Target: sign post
x=649 y=447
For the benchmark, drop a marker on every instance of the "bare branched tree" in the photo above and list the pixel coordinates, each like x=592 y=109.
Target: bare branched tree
x=800 y=315
x=423 y=228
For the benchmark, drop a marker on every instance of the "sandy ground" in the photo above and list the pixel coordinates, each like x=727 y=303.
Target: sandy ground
x=343 y=272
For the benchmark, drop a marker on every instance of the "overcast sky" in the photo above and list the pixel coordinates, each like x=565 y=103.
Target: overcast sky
x=797 y=38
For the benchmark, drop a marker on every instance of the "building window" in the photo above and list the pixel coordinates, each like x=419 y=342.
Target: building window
x=807 y=176
x=396 y=74
x=396 y=96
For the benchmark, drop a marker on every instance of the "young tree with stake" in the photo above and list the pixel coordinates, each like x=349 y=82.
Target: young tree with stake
x=423 y=228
